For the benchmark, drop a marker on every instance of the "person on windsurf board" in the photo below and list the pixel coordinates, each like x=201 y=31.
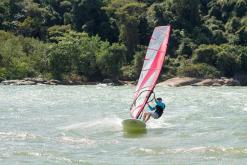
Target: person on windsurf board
x=152 y=65
x=154 y=111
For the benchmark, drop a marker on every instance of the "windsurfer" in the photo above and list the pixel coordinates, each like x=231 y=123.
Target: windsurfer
x=156 y=111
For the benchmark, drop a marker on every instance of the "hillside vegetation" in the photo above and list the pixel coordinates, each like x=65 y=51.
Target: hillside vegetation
x=92 y=40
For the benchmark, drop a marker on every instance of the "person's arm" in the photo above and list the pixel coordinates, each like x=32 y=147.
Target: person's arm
x=156 y=101
x=151 y=108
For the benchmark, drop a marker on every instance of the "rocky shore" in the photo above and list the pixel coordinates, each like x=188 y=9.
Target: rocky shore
x=183 y=81
x=30 y=81
x=40 y=81
x=173 y=82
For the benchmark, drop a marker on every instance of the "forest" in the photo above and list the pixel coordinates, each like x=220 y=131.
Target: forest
x=93 y=40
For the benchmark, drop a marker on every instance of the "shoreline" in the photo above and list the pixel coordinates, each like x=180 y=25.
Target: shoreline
x=40 y=81
x=172 y=82
x=190 y=81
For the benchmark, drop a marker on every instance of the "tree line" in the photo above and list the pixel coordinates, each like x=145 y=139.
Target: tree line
x=92 y=40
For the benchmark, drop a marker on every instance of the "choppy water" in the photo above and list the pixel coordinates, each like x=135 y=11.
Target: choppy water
x=82 y=125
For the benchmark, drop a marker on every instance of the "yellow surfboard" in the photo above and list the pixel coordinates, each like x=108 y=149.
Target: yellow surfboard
x=134 y=126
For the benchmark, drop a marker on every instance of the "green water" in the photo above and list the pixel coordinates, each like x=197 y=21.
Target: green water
x=82 y=125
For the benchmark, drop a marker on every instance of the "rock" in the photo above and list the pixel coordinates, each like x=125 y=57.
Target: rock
x=9 y=82
x=182 y=81
x=107 y=81
x=127 y=82
x=118 y=83
x=18 y=82
x=231 y=82
x=39 y=80
x=36 y=80
x=55 y=81
x=209 y=82
x=179 y=81
x=217 y=82
x=52 y=82
x=241 y=78
x=28 y=79
x=23 y=82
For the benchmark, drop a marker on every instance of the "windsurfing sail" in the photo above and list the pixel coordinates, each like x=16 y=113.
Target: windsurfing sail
x=152 y=66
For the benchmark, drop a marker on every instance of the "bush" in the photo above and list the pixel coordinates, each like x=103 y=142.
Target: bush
x=198 y=71
x=206 y=54
x=139 y=59
x=75 y=53
x=242 y=35
x=62 y=59
x=89 y=57
x=240 y=7
x=57 y=31
x=243 y=61
x=233 y=25
x=22 y=57
x=170 y=66
x=20 y=70
x=185 y=48
x=128 y=73
x=218 y=37
x=3 y=73
x=227 y=63
x=110 y=59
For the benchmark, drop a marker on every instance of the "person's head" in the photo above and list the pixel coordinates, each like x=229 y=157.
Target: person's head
x=159 y=99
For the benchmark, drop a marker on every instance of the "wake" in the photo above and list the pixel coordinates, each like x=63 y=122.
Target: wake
x=104 y=123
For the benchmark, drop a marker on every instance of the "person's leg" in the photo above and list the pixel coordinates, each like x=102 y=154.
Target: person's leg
x=147 y=117
x=144 y=116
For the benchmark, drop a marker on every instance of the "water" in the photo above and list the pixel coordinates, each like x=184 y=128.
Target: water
x=82 y=125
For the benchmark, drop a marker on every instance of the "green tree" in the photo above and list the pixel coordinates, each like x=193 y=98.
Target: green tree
x=62 y=59
x=227 y=63
x=158 y=15
x=110 y=59
x=65 y=55
x=242 y=33
x=88 y=16
x=185 y=48
x=233 y=25
x=218 y=37
x=186 y=12
x=127 y=16
x=240 y=7
x=199 y=71
x=87 y=66
x=22 y=57
x=206 y=54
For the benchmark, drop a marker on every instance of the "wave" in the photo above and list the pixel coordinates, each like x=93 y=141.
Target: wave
x=77 y=141
x=50 y=156
x=245 y=109
x=17 y=136
x=199 y=149
x=113 y=123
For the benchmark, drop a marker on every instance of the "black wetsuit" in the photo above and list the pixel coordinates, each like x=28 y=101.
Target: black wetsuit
x=159 y=110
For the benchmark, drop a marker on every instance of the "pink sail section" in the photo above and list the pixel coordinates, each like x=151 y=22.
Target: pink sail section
x=152 y=66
